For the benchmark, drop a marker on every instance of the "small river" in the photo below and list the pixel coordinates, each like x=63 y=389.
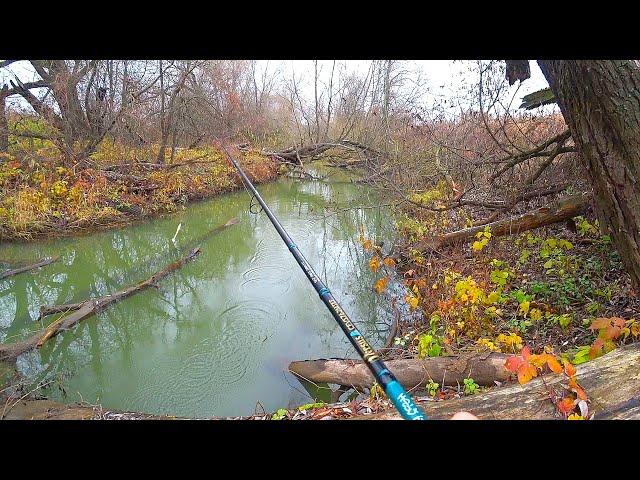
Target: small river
x=217 y=336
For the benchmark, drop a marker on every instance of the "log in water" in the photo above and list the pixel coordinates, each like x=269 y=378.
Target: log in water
x=216 y=336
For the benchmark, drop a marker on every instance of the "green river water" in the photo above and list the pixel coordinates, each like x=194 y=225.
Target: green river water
x=219 y=333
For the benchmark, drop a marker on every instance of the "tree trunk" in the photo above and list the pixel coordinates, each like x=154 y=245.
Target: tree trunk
x=163 y=139
x=600 y=101
x=485 y=370
x=4 y=126
x=558 y=212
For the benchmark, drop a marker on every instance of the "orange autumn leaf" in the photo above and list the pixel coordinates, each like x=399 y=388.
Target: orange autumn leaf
x=600 y=323
x=526 y=372
x=389 y=262
x=444 y=306
x=521 y=364
x=573 y=385
x=569 y=368
x=374 y=263
x=610 y=328
x=566 y=406
x=596 y=348
x=600 y=347
x=615 y=329
x=548 y=359
x=381 y=284
x=367 y=244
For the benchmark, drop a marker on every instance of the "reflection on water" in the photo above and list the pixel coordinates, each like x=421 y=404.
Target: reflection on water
x=218 y=334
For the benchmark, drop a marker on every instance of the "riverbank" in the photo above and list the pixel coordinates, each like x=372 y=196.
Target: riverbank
x=40 y=197
x=557 y=293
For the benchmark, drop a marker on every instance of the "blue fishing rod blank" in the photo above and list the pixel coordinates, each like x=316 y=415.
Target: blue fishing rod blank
x=396 y=393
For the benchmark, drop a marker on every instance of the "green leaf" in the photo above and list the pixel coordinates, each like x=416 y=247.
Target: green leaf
x=309 y=406
x=581 y=356
x=280 y=414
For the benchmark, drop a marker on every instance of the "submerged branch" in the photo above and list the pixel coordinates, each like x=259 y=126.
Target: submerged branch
x=26 y=268
x=84 y=310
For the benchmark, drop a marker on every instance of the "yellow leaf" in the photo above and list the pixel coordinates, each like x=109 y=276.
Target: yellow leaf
x=374 y=263
x=524 y=307
x=535 y=314
x=381 y=284
x=389 y=262
x=477 y=246
x=493 y=297
x=412 y=301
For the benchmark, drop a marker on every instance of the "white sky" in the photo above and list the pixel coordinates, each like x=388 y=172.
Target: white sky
x=442 y=77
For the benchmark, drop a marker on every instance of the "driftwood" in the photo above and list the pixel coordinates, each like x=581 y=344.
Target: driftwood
x=26 y=268
x=612 y=383
x=84 y=310
x=295 y=155
x=560 y=211
x=484 y=368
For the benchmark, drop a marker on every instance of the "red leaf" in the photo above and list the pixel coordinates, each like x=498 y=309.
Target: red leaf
x=566 y=406
x=520 y=364
x=513 y=363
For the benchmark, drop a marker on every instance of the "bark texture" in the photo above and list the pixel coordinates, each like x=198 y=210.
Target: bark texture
x=26 y=268
x=612 y=383
x=600 y=101
x=557 y=212
x=4 y=127
x=485 y=369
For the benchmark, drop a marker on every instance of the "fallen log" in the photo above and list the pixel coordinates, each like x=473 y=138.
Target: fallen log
x=295 y=155
x=26 y=268
x=484 y=368
x=47 y=310
x=84 y=310
x=560 y=211
x=612 y=383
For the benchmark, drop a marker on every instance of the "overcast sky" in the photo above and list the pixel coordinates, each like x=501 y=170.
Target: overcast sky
x=442 y=77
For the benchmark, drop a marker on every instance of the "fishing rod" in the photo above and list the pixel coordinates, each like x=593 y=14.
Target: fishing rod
x=400 y=398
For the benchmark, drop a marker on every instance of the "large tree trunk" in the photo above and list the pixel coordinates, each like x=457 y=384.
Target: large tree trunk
x=4 y=126
x=600 y=101
x=612 y=383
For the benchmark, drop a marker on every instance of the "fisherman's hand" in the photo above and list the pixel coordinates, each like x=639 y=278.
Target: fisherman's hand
x=464 y=416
